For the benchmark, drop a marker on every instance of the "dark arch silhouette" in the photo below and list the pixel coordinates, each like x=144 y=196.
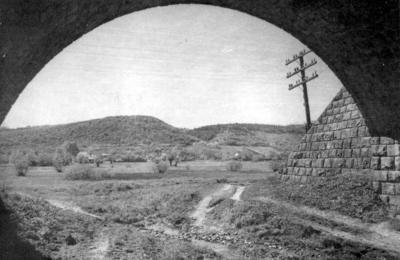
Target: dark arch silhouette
x=358 y=40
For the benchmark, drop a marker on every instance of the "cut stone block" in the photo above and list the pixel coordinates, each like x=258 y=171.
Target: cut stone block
x=393 y=176
x=365 y=142
x=347 y=153
x=366 y=152
x=397 y=163
x=393 y=150
x=338 y=163
x=379 y=150
x=380 y=175
x=388 y=188
x=375 y=163
x=349 y=162
x=387 y=163
x=366 y=163
x=374 y=140
x=376 y=185
x=394 y=201
x=386 y=140
x=328 y=163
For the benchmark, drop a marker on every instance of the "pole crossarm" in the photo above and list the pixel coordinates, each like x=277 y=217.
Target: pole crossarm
x=297 y=56
x=304 y=79
x=301 y=82
x=298 y=70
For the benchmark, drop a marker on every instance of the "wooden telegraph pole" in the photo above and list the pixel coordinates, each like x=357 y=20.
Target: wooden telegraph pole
x=303 y=79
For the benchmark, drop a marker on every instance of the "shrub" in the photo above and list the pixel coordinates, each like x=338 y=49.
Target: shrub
x=71 y=148
x=85 y=172
x=188 y=155
x=58 y=159
x=234 y=166
x=44 y=159
x=82 y=157
x=30 y=155
x=20 y=159
x=98 y=161
x=160 y=167
x=22 y=166
x=210 y=154
x=132 y=157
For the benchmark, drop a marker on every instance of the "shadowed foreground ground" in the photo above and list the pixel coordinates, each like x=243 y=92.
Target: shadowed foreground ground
x=11 y=246
x=198 y=210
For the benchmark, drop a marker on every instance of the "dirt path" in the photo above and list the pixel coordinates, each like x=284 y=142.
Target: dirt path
x=199 y=214
x=100 y=247
x=63 y=205
x=377 y=235
x=238 y=193
x=70 y=206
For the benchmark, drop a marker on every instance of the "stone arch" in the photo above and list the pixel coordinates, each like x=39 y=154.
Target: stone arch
x=358 y=40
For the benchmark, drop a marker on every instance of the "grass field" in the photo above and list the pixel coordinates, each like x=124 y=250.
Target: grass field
x=141 y=215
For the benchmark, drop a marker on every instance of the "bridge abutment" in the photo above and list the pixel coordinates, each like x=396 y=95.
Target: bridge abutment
x=341 y=143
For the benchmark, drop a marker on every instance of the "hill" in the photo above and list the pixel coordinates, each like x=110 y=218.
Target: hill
x=123 y=133
x=119 y=130
x=277 y=136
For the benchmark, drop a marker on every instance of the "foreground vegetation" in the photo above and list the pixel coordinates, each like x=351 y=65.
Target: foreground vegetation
x=349 y=194
x=133 y=198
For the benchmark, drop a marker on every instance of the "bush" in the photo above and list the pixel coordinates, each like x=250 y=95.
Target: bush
x=29 y=155
x=188 y=155
x=20 y=159
x=71 y=148
x=160 y=167
x=210 y=154
x=132 y=157
x=60 y=159
x=32 y=157
x=44 y=159
x=234 y=166
x=82 y=157
x=98 y=161
x=85 y=172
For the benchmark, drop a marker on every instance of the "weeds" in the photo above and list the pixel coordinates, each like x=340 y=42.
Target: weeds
x=86 y=172
x=160 y=167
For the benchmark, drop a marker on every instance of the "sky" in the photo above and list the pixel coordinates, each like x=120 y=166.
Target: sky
x=188 y=65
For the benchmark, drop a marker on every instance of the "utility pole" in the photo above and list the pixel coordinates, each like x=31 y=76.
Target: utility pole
x=303 y=79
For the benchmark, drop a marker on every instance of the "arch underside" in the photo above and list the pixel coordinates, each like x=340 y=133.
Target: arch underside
x=358 y=40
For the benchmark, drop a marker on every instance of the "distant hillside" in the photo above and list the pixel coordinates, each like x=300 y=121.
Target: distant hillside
x=122 y=133
x=281 y=137
x=126 y=130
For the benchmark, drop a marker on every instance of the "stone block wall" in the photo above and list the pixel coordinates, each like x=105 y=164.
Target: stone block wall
x=340 y=142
